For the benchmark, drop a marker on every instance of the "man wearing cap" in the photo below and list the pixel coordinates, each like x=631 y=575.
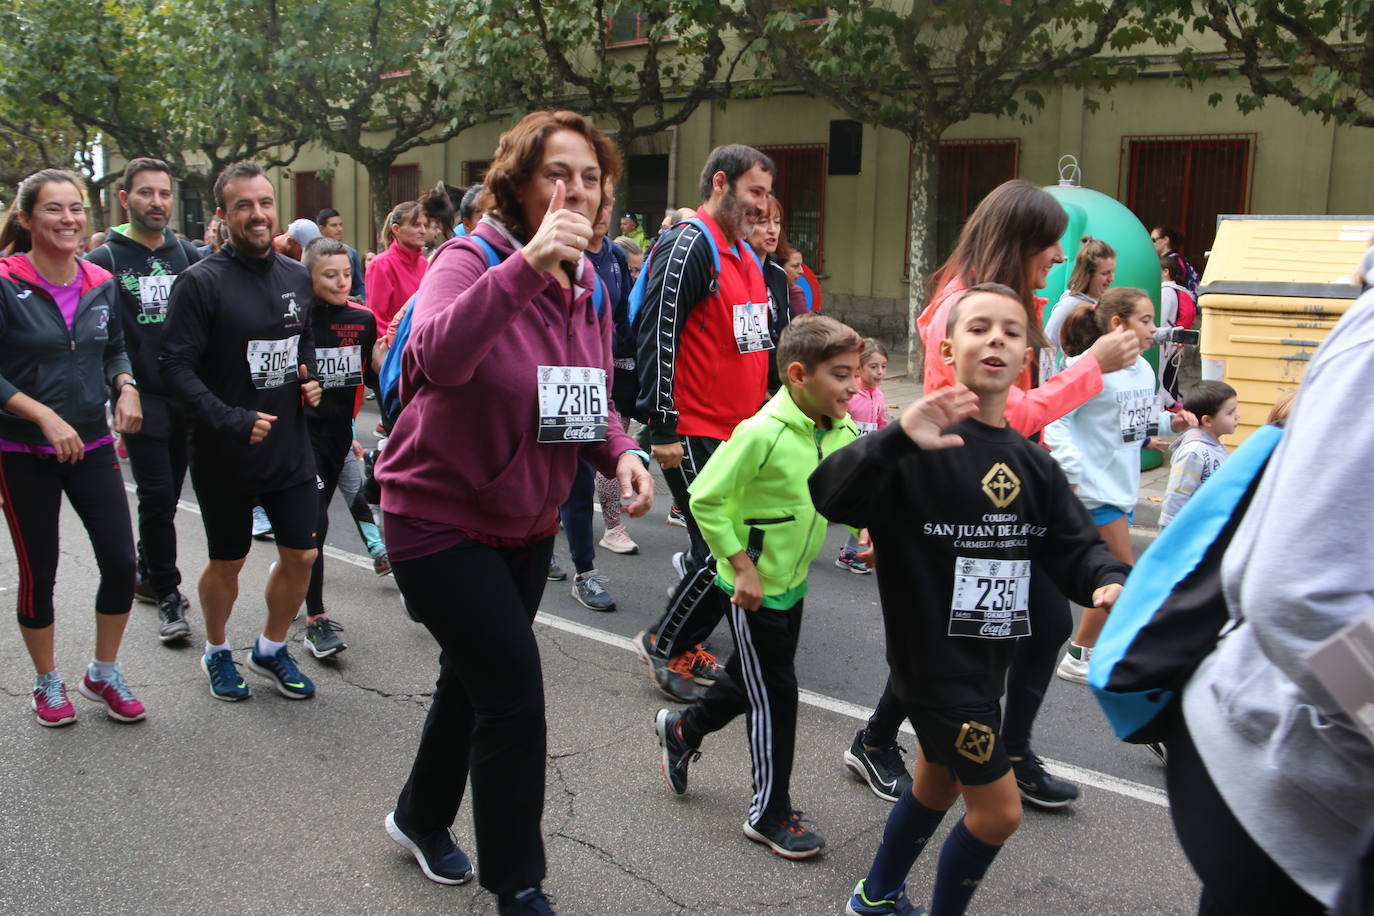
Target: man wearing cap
x=292 y=242
x=629 y=226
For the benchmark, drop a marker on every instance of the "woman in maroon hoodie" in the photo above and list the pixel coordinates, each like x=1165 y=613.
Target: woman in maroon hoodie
x=503 y=391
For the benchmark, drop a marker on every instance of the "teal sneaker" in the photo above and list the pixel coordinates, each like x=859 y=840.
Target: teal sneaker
x=225 y=681
x=896 y=905
x=281 y=668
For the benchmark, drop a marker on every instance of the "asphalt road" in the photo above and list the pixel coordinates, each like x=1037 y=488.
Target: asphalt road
x=276 y=806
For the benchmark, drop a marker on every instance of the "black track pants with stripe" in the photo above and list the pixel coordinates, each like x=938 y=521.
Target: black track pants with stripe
x=693 y=611
x=760 y=680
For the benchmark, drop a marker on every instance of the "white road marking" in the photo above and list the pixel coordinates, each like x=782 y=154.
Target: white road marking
x=1097 y=780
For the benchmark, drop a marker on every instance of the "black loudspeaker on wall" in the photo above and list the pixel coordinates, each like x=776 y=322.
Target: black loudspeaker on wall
x=846 y=147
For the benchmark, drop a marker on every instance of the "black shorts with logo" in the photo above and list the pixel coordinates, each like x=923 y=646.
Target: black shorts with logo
x=227 y=514
x=965 y=739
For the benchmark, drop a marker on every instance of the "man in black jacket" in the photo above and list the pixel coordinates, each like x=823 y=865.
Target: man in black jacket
x=146 y=257
x=239 y=351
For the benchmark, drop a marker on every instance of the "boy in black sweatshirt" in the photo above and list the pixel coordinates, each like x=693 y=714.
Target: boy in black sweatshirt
x=959 y=505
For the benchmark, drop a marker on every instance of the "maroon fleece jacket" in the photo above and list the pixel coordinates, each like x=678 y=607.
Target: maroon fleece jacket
x=463 y=451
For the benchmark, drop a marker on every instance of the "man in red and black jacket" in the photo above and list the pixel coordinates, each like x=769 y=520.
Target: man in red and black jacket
x=702 y=361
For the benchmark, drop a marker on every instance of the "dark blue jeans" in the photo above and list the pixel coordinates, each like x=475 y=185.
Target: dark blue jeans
x=576 y=514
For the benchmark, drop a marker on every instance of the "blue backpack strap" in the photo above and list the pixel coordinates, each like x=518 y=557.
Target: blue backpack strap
x=1172 y=611
x=598 y=292
x=389 y=378
x=642 y=281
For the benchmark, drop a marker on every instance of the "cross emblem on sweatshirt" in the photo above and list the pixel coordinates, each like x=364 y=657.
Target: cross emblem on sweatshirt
x=1001 y=485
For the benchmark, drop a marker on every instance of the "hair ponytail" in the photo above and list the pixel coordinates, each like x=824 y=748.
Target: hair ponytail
x=1087 y=323
x=400 y=214
x=1090 y=256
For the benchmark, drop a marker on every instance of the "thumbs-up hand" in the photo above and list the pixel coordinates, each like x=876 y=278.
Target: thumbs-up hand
x=561 y=237
x=310 y=389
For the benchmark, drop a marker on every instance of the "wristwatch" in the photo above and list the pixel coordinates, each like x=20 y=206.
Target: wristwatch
x=119 y=389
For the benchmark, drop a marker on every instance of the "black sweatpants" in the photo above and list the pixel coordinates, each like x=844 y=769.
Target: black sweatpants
x=695 y=607
x=1028 y=678
x=330 y=454
x=486 y=718
x=1238 y=877
x=32 y=487
x=157 y=457
x=760 y=680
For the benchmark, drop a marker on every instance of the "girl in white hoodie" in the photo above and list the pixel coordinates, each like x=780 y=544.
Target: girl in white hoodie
x=1098 y=444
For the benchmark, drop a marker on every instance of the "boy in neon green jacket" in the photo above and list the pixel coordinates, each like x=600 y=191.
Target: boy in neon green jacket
x=755 y=512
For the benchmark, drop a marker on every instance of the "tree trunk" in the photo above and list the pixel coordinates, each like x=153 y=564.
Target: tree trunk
x=925 y=184
x=622 y=183
x=379 y=193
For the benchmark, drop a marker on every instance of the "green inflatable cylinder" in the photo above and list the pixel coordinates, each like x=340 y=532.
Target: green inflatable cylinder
x=1137 y=264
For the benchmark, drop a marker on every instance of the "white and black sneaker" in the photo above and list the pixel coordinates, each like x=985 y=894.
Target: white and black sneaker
x=1040 y=788
x=589 y=589
x=881 y=767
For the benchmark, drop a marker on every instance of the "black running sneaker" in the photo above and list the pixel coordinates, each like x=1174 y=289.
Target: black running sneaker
x=322 y=637
x=440 y=858
x=530 y=902
x=672 y=678
x=881 y=767
x=171 y=615
x=789 y=837
x=674 y=751
x=1039 y=787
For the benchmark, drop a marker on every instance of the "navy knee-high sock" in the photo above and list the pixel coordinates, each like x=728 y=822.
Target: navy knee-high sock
x=909 y=828
x=963 y=862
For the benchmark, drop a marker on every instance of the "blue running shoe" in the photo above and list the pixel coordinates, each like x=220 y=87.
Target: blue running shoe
x=896 y=905
x=225 y=681
x=281 y=668
x=440 y=858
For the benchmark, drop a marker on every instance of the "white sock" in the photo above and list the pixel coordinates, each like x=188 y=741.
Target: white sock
x=267 y=648
x=211 y=648
x=41 y=679
x=101 y=671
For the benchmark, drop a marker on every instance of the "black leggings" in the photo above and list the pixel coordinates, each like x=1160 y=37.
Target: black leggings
x=32 y=487
x=486 y=719
x=1238 y=877
x=329 y=462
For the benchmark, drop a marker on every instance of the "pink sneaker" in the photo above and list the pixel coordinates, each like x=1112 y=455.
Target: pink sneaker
x=120 y=704
x=51 y=706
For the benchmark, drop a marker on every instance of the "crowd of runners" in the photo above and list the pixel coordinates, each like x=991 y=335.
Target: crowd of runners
x=529 y=365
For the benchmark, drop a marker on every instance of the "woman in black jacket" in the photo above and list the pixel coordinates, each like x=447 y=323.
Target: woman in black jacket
x=61 y=358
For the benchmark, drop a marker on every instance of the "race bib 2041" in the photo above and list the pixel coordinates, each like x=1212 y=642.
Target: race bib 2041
x=339 y=367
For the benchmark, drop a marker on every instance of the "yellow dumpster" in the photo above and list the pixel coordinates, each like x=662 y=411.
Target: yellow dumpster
x=1275 y=286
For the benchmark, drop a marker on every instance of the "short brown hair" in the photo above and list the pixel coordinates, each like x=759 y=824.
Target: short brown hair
x=812 y=339
x=997 y=289
x=519 y=152
x=1206 y=398
x=142 y=164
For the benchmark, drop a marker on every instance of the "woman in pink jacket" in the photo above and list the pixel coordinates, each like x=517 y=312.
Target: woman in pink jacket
x=503 y=391
x=394 y=275
x=1011 y=238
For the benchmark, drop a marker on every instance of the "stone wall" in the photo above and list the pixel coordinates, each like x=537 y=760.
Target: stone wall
x=871 y=316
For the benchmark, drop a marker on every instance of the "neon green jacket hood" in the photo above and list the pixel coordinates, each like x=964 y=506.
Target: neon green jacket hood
x=752 y=496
